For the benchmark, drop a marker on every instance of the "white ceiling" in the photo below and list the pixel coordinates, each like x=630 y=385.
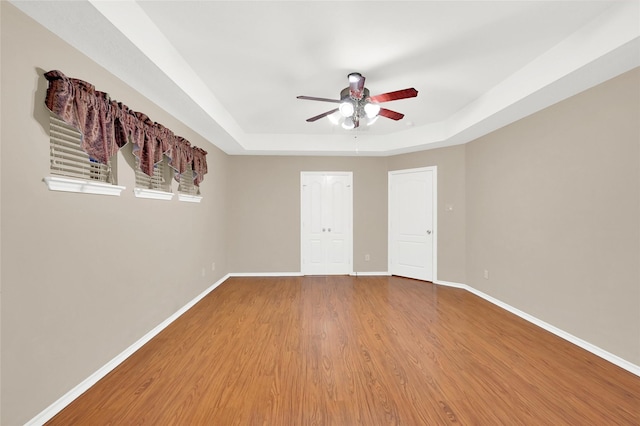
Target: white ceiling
x=231 y=70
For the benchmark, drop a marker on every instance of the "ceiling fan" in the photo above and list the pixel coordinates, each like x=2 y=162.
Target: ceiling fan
x=356 y=104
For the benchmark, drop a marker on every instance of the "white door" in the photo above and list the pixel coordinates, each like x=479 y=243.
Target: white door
x=412 y=223
x=326 y=210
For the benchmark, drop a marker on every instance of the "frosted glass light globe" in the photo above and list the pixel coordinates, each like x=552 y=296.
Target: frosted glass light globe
x=346 y=109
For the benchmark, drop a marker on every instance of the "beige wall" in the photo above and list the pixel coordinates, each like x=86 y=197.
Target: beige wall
x=553 y=213
x=264 y=211
x=264 y=203
x=84 y=276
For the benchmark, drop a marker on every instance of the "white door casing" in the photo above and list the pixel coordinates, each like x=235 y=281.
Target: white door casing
x=413 y=223
x=326 y=223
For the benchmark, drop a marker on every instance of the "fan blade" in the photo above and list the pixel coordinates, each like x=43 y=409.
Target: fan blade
x=390 y=114
x=392 y=96
x=356 y=85
x=311 y=98
x=324 y=114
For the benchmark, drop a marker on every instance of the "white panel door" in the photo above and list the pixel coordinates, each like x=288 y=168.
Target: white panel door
x=412 y=223
x=326 y=209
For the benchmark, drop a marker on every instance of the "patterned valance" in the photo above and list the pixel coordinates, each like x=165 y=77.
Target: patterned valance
x=107 y=125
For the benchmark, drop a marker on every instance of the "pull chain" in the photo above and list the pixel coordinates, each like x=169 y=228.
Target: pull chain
x=355 y=137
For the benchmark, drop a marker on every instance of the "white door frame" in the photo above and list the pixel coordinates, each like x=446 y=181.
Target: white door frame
x=350 y=218
x=434 y=170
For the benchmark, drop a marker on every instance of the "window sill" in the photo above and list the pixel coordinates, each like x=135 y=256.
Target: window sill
x=190 y=198
x=55 y=183
x=152 y=194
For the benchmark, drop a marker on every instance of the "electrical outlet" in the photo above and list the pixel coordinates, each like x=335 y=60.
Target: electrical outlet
x=367 y=257
x=486 y=274
x=203 y=272
x=213 y=266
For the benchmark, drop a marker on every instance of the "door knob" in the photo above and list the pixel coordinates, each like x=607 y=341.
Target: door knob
x=329 y=229
x=428 y=231
x=323 y=230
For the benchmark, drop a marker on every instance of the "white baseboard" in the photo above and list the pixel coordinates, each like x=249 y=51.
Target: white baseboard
x=614 y=359
x=452 y=284
x=265 y=274
x=67 y=398
x=370 y=274
x=299 y=274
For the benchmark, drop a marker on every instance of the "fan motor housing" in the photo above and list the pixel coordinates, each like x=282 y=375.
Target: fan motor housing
x=345 y=94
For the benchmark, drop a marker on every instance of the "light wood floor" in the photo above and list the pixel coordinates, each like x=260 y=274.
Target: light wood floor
x=356 y=351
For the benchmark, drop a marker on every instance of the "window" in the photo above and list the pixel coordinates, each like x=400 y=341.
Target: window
x=157 y=181
x=74 y=170
x=68 y=158
x=187 y=191
x=157 y=186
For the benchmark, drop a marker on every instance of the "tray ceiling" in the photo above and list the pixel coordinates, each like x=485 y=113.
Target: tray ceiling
x=231 y=70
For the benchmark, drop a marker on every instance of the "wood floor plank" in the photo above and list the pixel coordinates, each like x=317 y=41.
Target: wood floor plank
x=355 y=351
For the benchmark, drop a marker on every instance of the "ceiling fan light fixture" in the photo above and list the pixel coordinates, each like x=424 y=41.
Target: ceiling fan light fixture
x=371 y=109
x=357 y=107
x=348 y=123
x=346 y=109
x=335 y=118
x=372 y=120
